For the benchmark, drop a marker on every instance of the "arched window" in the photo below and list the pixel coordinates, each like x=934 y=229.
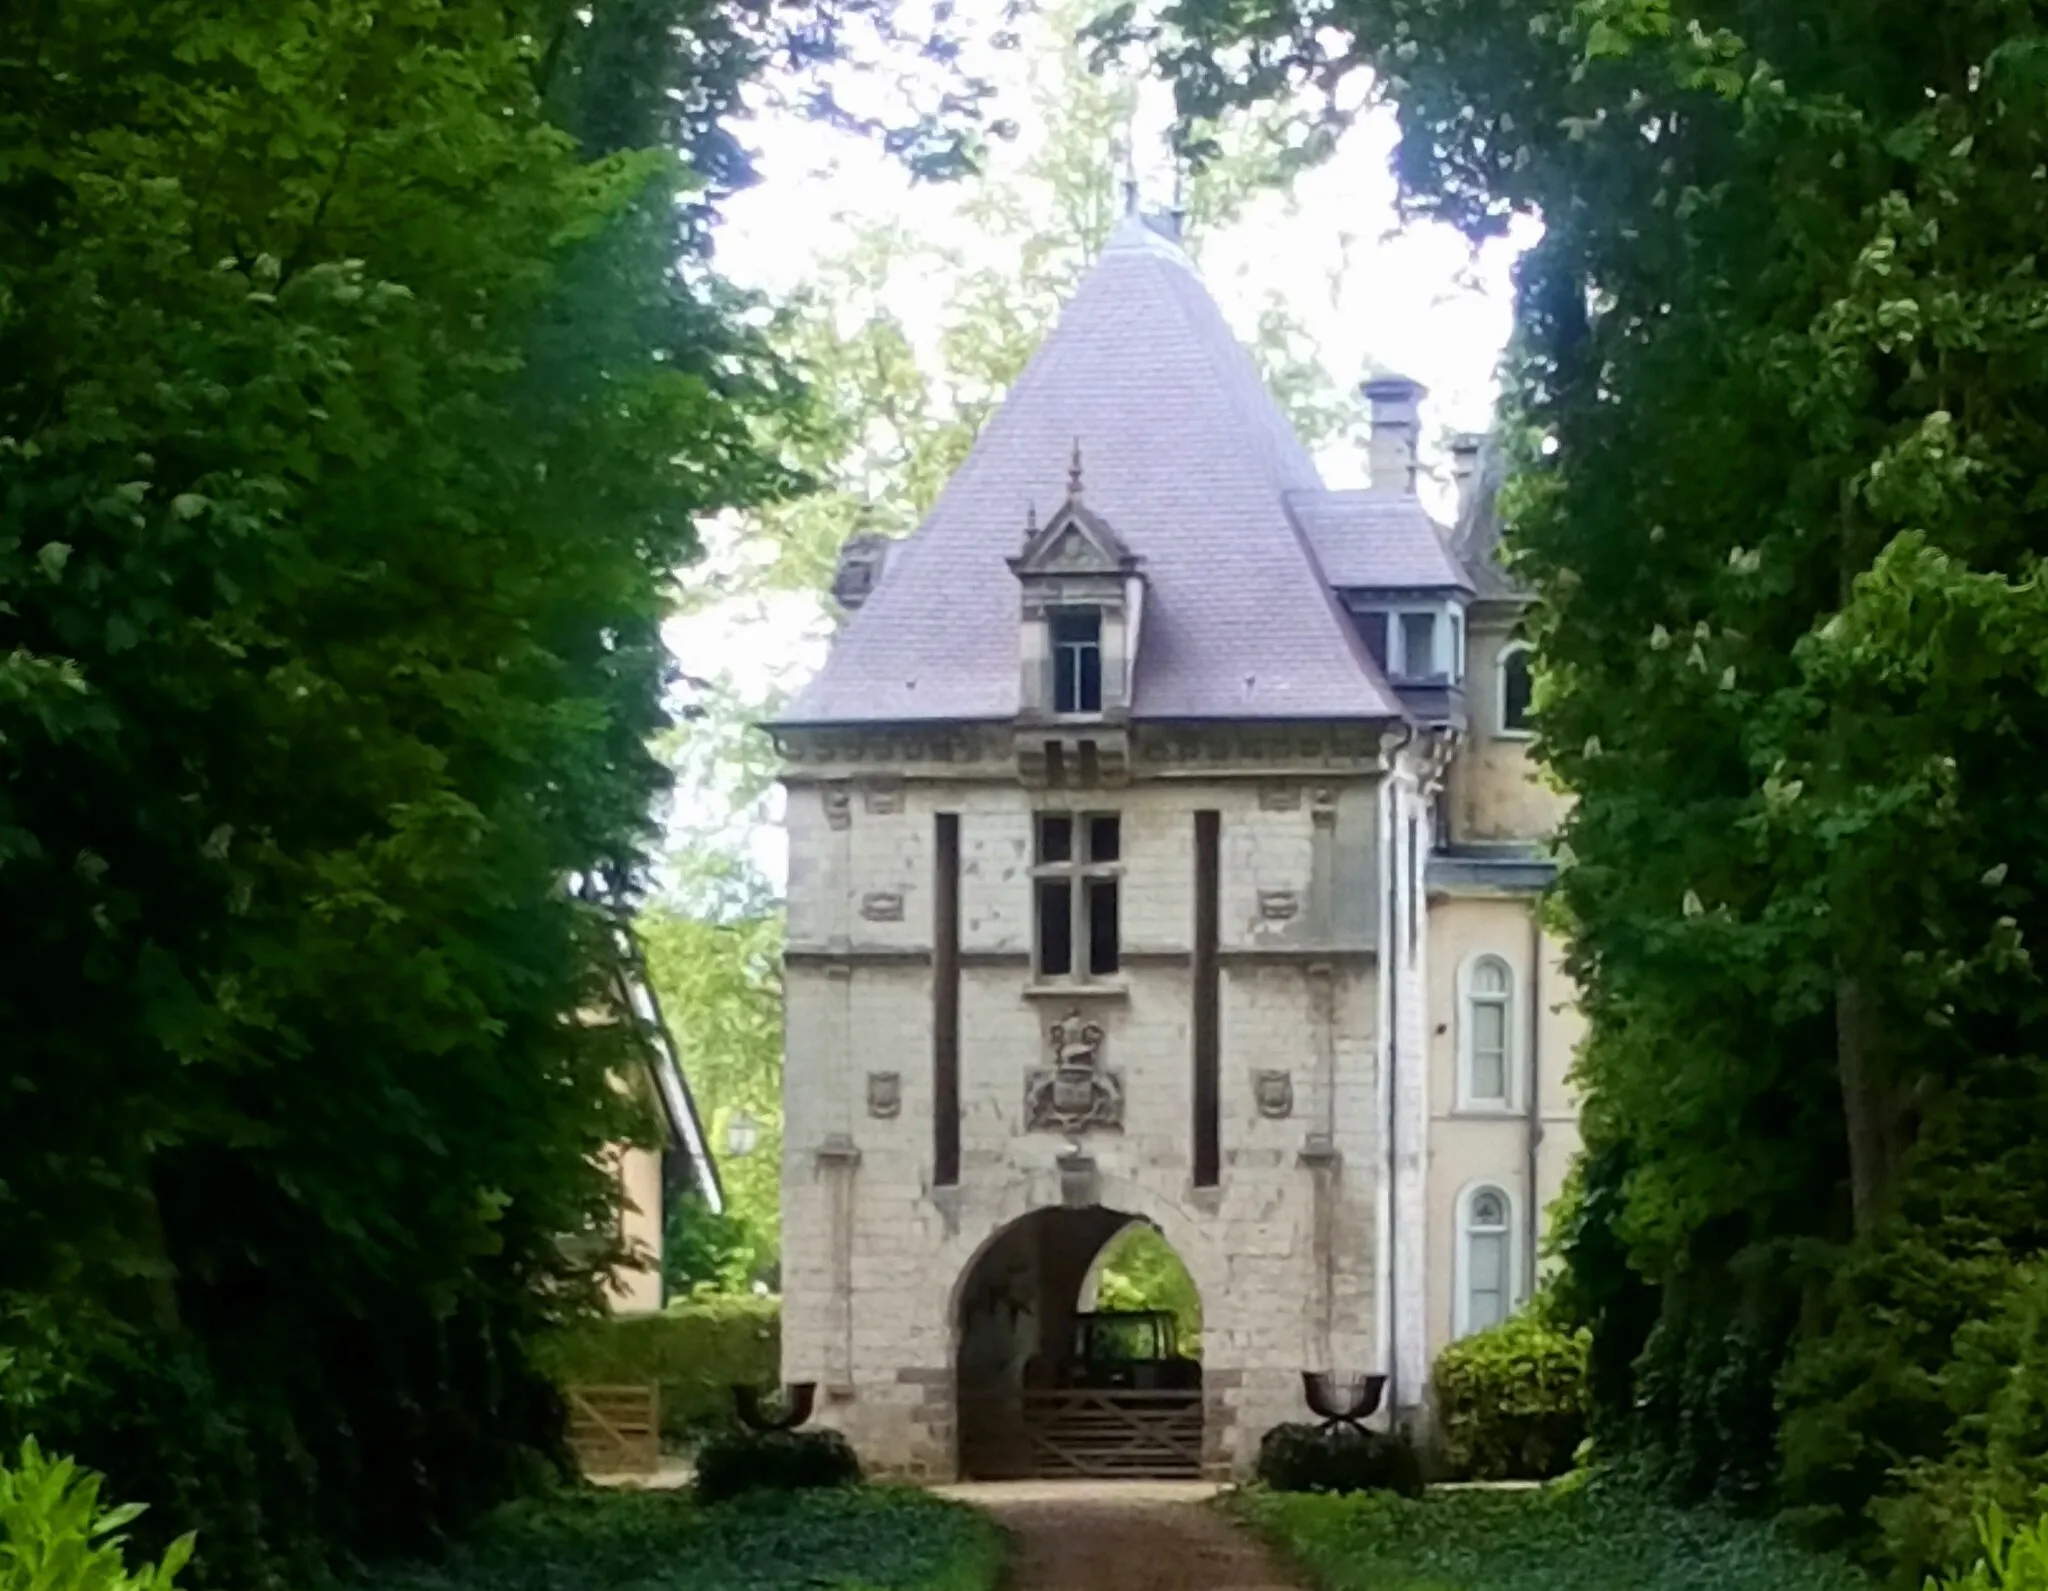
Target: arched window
x=1486 y=1028
x=1486 y=1259
x=1514 y=687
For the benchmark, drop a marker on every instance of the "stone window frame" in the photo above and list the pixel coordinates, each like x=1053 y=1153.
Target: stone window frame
x=1502 y=729
x=1078 y=870
x=1508 y=1229
x=1508 y=998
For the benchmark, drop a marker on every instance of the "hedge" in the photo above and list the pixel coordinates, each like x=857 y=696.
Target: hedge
x=697 y=1351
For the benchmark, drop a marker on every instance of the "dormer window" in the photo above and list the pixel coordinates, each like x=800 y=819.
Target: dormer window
x=1081 y=610
x=1418 y=648
x=1418 y=644
x=1076 y=660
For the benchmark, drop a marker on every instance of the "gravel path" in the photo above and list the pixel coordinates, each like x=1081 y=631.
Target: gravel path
x=1123 y=1536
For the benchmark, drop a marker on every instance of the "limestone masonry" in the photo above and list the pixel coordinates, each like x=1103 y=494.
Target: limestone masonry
x=1163 y=848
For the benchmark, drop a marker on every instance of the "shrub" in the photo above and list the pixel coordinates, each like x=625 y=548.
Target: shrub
x=696 y=1351
x=2013 y=1559
x=1994 y=1455
x=54 y=1536
x=773 y=1461
x=1313 y=1458
x=1512 y=1400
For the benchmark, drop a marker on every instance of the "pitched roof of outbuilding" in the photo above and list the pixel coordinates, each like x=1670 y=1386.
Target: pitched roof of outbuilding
x=1189 y=461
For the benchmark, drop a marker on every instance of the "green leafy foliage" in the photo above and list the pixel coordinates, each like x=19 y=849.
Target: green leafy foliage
x=735 y=1463
x=2013 y=1558
x=1139 y=1270
x=1511 y=1400
x=1314 y=1458
x=718 y=972
x=361 y=381
x=1775 y=408
x=1582 y=1539
x=696 y=1351
x=856 y=1538
x=55 y=1536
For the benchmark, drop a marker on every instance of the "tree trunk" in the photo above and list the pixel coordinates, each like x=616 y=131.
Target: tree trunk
x=1865 y=1112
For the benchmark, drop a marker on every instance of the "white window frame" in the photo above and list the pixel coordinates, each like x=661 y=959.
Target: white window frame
x=1501 y=730
x=1461 y=1267
x=1469 y=1099
x=1447 y=639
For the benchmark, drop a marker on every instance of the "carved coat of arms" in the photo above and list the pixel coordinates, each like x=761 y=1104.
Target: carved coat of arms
x=1077 y=1091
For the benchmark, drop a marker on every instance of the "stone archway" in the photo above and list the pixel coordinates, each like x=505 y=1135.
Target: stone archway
x=1041 y=1389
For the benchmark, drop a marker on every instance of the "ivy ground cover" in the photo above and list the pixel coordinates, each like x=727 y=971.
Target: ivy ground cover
x=1581 y=1539
x=870 y=1538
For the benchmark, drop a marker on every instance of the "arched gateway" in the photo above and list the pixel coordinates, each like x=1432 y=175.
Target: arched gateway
x=1047 y=1384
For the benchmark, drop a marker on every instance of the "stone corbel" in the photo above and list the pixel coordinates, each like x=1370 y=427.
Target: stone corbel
x=1080 y=1182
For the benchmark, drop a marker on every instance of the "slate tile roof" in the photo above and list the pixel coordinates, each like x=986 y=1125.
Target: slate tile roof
x=1476 y=539
x=1367 y=539
x=1190 y=462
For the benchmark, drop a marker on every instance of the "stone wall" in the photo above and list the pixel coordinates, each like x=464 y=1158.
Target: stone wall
x=1283 y=1251
x=1495 y=788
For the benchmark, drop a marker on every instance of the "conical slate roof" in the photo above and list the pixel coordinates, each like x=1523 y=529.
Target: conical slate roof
x=1187 y=459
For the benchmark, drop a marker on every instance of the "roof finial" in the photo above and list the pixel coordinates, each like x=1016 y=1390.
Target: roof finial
x=1127 y=151
x=1030 y=520
x=1074 y=474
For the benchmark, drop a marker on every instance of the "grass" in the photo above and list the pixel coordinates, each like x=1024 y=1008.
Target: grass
x=868 y=1538
x=1571 y=1539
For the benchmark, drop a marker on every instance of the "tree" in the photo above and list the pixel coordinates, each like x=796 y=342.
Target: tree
x=361 y=381
x=894 y=410
x=1775 y=405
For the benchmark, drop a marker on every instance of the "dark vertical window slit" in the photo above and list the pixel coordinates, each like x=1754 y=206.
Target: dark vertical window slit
x=1208 y=1155
x=946 y=1002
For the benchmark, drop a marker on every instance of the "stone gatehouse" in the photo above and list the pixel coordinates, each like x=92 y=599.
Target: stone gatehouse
x=1163 y=849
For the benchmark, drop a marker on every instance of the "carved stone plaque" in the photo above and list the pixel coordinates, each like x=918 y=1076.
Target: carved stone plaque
x=838 y=806
x=885 y=798
x=1274 y=1091
x=885 y=1094
x=1279 y=797
x=882 y=906
x=1077 y=1092
x=1278 y=905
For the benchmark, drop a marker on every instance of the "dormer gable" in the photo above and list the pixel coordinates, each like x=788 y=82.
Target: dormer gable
x=1081 y=603
x=1075 y=541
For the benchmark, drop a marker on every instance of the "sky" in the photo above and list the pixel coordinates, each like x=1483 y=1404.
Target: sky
x=1374 y=293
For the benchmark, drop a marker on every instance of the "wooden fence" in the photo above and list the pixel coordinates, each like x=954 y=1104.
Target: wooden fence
x=616 y=1430
x=1096 y=1434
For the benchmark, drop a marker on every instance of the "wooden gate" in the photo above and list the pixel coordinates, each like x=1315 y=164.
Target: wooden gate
x=1076 y=1432
x=616 y=1430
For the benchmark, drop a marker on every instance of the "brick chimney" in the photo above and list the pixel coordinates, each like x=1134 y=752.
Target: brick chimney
x=1396 y=407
